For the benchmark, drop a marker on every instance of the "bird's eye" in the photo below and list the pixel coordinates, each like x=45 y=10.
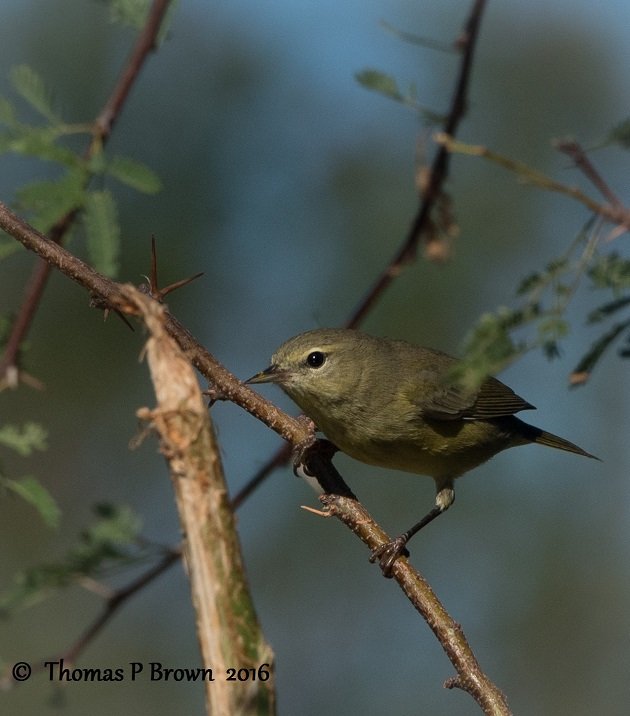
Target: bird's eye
x=316 y=359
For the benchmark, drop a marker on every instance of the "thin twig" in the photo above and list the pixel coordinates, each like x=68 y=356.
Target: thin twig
x=116 y=601
x=574 y=150
x=470 y=676
x=103 y=125
x=617 y=214
x=110 y=608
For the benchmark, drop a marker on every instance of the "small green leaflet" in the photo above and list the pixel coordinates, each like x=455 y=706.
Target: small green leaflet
x=33 y=492
x=30 y=86
x=134 y=174
x=103 y=232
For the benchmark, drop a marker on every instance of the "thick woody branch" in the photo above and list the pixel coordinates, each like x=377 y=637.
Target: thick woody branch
x=227 y=627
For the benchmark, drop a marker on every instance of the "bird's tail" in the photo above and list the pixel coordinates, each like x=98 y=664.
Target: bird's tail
x=542 y=437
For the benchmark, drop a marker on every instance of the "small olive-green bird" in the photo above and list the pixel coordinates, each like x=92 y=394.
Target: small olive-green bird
x=390 y=403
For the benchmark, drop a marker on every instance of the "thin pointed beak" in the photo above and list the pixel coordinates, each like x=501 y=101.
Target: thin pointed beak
x=270 y=375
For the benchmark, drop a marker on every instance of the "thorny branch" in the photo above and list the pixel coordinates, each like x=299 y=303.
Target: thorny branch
x=294 y=431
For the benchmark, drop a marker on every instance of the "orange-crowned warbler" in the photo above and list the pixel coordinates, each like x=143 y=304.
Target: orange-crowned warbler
x=392 y=404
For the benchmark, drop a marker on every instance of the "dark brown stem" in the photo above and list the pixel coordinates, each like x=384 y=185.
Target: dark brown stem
x=433 y=189
x=144 y=45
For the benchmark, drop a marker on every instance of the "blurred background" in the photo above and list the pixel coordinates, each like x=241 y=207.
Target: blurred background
x=290 y=187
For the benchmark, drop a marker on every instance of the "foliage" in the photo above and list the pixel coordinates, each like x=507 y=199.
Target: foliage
x=46 y=201
x=24 y=441
x=497 y=340
x=111 y=540
x=133 y=13
x=385 y=84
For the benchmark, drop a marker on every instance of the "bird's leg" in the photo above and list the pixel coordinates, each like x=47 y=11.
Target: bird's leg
x=388 y=553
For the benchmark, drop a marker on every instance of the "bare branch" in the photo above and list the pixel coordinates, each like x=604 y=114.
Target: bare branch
x=574 y=150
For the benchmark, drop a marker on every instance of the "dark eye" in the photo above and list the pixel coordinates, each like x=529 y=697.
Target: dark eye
x=316 y=359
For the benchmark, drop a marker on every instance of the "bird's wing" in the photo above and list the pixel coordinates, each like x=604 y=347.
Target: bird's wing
x=493 y=400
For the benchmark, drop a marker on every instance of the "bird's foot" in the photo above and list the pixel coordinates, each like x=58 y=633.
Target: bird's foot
x=387 y=554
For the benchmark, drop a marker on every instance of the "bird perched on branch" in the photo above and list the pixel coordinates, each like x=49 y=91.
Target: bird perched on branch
x=396 y=405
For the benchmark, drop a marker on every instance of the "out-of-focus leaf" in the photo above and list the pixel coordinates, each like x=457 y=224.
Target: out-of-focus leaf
x=380 y=82
x=103 y=232
x=33 y=492
x=610 y=271
x=599 y=314
x=50 y=200
x=111 y=540
x=25 y=439
x=586 y=365
x=30 y=86
x=620 y=134
x=134 y=174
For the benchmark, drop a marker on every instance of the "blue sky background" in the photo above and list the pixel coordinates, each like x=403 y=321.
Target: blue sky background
x=291 y=186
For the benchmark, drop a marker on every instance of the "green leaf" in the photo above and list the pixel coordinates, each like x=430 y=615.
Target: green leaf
x=33 y=492
x=24 y=440
x=531 y=283
x=7 y=113
x=116 y=524
x=598 y=349
x=50 y=200
x=380 y=82
x=420 y=41
x=39 y=142
x=620 y=134
x=30 y=86
x=599 y=314
x=103 y=232
x=610 y=271
x=131 y=13
x=105 y=543
x=134 y=174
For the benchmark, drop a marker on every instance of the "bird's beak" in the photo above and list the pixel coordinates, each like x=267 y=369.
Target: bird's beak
x=270 y=375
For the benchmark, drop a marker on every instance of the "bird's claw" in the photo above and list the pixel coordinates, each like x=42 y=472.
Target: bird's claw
x=387 y=554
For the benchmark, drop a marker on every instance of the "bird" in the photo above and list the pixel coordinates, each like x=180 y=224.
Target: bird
x=393 y=404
